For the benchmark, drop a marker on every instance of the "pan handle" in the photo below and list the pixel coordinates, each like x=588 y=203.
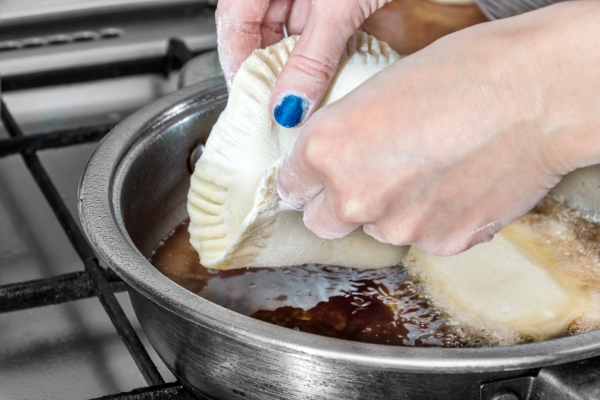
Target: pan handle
x=578 y=380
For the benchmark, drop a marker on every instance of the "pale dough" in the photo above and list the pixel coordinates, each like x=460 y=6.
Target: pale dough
x=506 y=290
x=236 y=217
x=511 y=289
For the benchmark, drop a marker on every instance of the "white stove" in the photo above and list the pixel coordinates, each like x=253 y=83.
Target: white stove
x=69 y=71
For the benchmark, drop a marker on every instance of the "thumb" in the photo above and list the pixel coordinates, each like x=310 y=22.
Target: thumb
x=314 y=60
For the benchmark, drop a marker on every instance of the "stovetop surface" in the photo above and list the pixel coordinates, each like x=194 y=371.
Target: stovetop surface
x=64 y=351
x=71 y=350
x=69 y=71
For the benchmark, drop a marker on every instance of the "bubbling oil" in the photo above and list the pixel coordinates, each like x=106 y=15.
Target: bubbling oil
x=380 y=306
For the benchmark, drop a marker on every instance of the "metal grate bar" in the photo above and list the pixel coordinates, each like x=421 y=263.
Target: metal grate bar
x=154 y=65
x=55 y=290
x=177 y=54
x=123 y=326
x=82 y=247
x=74 y=234
x=62 y=138
x=169 y=391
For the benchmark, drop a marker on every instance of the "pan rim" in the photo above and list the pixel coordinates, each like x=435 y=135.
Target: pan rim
x=102 y=222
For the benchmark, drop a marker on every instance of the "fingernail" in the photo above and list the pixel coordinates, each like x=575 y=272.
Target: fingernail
x=290 y=201
x=290 y=110
x=294 y=204
x=375 y=232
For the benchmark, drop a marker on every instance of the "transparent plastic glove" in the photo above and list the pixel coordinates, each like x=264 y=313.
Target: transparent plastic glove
x=325 y=25
x=448 y=145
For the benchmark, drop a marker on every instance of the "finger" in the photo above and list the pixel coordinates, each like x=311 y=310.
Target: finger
x=297 y=179
x=321 y=218
x=271 y=30
x=373 y=231
x=238 y=32
x=299 y=13
x=312 y=63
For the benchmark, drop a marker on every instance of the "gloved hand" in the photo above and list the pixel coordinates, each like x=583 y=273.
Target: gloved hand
x=448 y=145
x=325 y=25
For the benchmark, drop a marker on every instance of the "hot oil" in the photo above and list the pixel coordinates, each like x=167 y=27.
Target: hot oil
x=380 y=306
x=575 y=241
x=374 y=306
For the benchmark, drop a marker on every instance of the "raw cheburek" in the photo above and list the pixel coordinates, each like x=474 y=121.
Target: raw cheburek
x=236 y=218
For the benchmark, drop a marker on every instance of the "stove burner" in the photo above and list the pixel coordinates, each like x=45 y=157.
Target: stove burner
x=61 y=38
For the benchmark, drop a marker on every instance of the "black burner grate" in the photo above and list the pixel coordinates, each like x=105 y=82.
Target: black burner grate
x=95 y=280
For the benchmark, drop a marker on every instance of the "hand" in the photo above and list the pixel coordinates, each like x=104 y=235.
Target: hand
x=448 y=145
x=325 y=25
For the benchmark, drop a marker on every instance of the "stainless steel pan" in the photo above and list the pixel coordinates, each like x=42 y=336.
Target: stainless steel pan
x=133 y=192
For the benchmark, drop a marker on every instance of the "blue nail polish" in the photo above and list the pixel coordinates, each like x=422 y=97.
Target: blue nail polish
x=290 y=110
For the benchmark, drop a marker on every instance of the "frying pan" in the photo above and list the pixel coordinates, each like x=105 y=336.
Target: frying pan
x=133 y=192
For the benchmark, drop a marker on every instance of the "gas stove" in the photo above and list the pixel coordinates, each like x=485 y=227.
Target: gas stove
x=70 y=71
